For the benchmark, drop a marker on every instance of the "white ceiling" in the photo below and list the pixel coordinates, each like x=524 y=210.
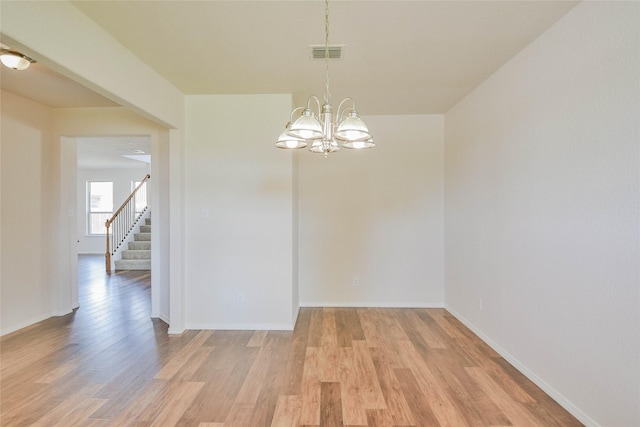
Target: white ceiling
x=114 y=152
x=43 y=85
x=401 y=57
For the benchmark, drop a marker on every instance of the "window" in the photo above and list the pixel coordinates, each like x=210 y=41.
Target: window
x=100 y=206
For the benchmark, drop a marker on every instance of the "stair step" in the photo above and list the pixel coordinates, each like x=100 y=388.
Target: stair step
x=145 y=229
x=140 y=246
x=147 y=221
x=133 y=264
x=136 y=254
x=142 y=237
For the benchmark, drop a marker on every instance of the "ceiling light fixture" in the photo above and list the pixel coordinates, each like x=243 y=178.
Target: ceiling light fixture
x=14 y=59
x=323 y=134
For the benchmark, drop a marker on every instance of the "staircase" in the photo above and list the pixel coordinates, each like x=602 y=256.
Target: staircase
x=138 y=255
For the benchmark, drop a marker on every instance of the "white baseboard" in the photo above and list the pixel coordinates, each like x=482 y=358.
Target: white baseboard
x=241 y=326
x=24 y=324
x=160 y=316
x=557 y=396
x=296 y=313
x=359 y=304
x=165 y=319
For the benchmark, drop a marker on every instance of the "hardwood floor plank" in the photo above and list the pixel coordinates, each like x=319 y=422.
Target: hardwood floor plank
x=348 y=327
x=371 y=333
x=179 y=360
x=78 y=416
x=380 y=418
x=254 y=380
x=174 y=407
x=388 y=326
x=189 y=369
x=60 y=371
x=287 y=413
x=67 y=408
x=353 y=409
x=419 y=403
x=257 y=339
x=276 y=379
x=330 y=405
x=493 y=366
x=310 y=390
x=512 y=409
x=440 y=403
x=366 y=373
x=443 y=321
x=328 y=357
x=223 y=376
x=541 y=403
x=397 y=407
x=315 y=328
x=119 y=397
x=297 y=351
x=149 y=394
x=426 y=332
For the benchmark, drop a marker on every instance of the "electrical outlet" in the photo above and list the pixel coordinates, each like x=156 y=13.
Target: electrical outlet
x=480 y=303
x=356 y=281
x=205 y=213
x=239 y=298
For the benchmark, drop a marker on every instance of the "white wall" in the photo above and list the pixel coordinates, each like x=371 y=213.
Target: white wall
x=26 y=205
x=542 y=212
x=244 y=246
x=122 y=179
x=376 y=215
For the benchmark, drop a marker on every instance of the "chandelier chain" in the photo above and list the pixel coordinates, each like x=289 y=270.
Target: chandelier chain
x=327 y=94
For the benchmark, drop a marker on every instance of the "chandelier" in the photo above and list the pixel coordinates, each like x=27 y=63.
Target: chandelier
x=327 y=132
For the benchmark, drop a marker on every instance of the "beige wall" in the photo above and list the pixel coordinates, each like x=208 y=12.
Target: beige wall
x=375 y=215
x=542 y=212
x=26 y=234
x=243 y=247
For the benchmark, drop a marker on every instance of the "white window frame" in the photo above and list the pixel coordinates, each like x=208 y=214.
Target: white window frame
x=106 y=214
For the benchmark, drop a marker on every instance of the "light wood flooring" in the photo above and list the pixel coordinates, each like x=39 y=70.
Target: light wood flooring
x=109 y=364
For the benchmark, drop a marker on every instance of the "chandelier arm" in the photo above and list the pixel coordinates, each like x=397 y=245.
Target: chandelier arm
x=346 y=110
x=293 y=112
x=317 y=103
